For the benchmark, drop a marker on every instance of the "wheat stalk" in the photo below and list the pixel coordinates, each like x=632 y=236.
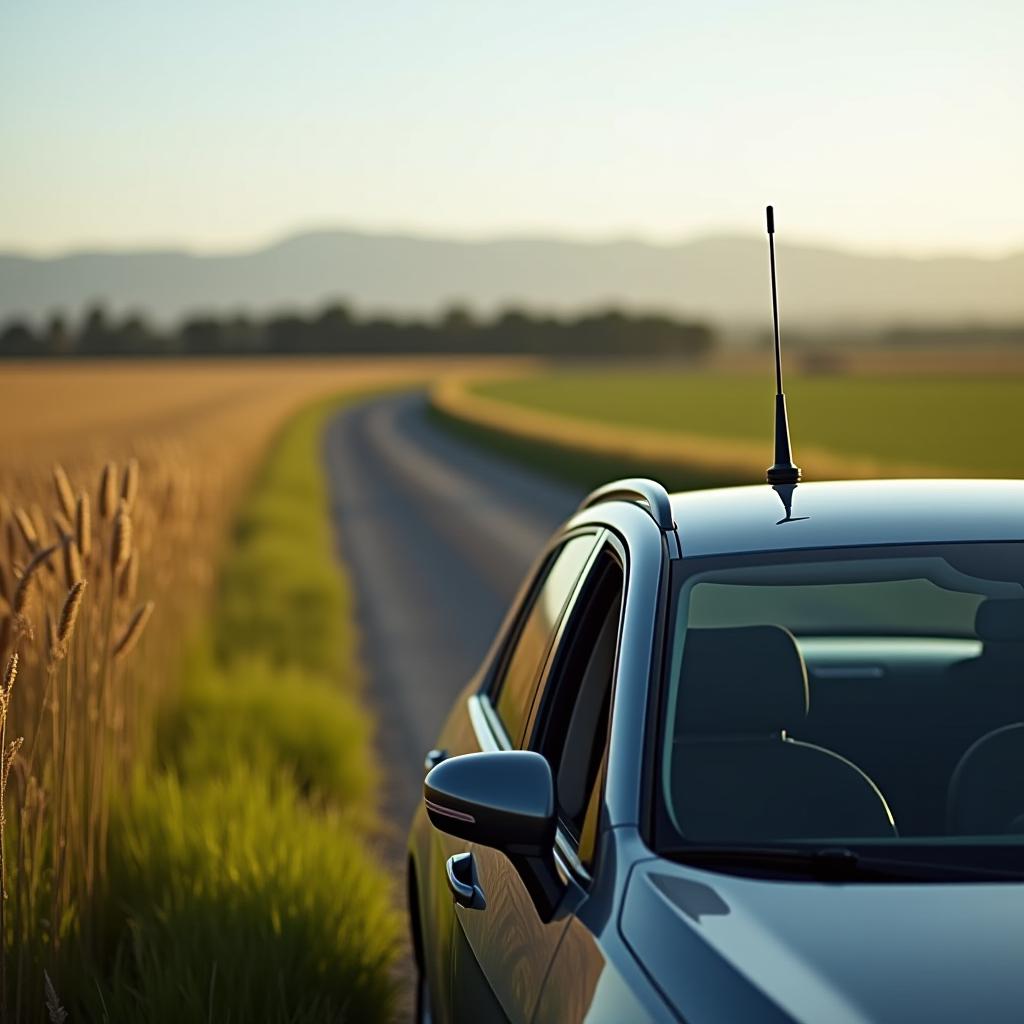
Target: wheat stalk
x=8 y=754
x=22 y=592
x=130 y=483
x=83 y=526
x=121 y=542
x=11 y=536
x=27 y=529
x=65 y=495
x=72 y=563
x=52 y=647
x=131 y=635
x=68 y=615
x=63 y=523
x=7 y=682
x=108 y=491
x=128 y=581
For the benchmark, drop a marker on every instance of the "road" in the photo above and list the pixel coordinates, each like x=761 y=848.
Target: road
x=437 y=535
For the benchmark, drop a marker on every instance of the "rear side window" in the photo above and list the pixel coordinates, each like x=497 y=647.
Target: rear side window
x=524 y=659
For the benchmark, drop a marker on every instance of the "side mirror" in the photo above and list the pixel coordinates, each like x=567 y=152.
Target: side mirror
x=503 y=799
x=506 y=800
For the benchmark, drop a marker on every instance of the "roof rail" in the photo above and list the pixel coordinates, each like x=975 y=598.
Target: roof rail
x=636 y=489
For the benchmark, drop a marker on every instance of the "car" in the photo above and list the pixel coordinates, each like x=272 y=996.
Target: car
x=731 y=759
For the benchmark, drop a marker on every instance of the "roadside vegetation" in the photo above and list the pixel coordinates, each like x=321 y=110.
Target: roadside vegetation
x=185 y=766
x=694 y=428
x=250 y=890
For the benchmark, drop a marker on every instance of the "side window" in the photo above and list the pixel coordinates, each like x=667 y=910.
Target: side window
x=525 y=658
x=571 y=730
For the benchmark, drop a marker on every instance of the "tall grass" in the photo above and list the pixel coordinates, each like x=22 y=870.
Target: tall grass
x=247 y=888
x=70 y=712
x=248 y=730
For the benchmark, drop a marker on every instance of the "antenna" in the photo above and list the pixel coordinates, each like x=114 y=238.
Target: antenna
x=784 y=471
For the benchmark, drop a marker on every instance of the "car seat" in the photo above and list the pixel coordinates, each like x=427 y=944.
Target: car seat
x=736 y=774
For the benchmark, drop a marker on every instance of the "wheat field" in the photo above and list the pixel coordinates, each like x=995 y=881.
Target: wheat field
x=118 y=482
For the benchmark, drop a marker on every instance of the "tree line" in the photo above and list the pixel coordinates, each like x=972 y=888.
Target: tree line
x=337 y=330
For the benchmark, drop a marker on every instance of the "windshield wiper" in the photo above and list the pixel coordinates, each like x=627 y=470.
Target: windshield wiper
x=832 y=864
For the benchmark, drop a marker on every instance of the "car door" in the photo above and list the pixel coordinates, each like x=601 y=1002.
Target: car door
x=497 y=719
x=509 y=945
x=571 y=729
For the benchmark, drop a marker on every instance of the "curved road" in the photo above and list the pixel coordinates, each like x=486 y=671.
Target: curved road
x=437 y=536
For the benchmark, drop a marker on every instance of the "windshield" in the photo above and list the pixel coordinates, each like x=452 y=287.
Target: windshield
x=851 y=697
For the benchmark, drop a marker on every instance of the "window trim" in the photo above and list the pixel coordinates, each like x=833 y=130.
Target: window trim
x=565 y=842
x=495 y=677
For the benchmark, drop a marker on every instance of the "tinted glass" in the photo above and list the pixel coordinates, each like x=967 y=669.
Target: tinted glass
x=867 y=696
x=525 y=659
x=572 y=725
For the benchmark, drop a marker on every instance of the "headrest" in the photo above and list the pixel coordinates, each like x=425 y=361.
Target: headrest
x=1000 y=619
x=740 y=680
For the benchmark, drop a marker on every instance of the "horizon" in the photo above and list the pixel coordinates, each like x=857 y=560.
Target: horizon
x=495 y=236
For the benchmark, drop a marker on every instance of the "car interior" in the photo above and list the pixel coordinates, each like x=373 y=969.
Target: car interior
x=793 y=715
x=930 y=727
x=755 y=780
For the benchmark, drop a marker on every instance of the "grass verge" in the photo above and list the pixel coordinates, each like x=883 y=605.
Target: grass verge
x=245 y=888
x=586 y=454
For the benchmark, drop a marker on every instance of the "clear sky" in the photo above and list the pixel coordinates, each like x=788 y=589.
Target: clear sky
x=223 y=124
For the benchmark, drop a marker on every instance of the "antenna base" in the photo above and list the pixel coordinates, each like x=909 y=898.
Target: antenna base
x=783 y=473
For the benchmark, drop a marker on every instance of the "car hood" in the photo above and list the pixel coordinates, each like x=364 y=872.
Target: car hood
x=724 y=948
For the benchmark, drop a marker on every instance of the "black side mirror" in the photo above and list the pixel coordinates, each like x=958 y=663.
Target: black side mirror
x=506 y=800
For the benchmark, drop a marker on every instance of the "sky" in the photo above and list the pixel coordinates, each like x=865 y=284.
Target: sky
x=217 y=125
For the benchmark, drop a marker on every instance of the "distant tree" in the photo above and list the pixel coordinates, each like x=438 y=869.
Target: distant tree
x=57 y=338
x=201 y=336
x=241 y=336
x=134 y=337
x=289 y=333
x=18 y=339
x=333 y=328
x=456 y=331
x=94 y=334
x=513 y=332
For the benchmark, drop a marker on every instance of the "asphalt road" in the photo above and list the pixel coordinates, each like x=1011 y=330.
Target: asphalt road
x=437 y=535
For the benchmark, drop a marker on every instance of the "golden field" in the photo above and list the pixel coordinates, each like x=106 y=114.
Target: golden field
x=118 y=481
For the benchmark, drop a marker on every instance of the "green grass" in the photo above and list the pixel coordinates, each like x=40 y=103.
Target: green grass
x=972 y=425
x=244 y=885
x=272 y=720
x=584 y=469
x=246 y=907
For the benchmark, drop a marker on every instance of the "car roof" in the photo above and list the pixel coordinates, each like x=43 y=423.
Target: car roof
x=731 y=520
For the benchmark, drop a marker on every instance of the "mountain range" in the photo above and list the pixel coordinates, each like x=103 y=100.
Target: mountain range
x=721 y=278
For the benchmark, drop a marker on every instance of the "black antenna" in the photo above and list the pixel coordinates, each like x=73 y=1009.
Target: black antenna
x=784 y=471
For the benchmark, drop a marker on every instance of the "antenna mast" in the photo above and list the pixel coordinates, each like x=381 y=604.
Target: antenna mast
x=784 y=471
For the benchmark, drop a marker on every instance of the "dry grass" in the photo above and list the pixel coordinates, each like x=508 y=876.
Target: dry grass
x=75 y=711
x=152 y=458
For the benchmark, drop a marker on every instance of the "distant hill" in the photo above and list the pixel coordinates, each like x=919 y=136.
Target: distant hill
x=722 y=278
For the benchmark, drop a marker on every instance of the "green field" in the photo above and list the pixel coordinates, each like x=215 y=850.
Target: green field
x=968 y=425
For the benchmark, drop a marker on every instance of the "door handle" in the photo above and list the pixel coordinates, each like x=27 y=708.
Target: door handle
x=463 y=882
x=434 y=758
